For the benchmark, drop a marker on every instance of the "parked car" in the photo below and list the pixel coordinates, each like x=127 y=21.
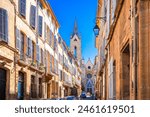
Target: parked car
x=70 y=98
x=83 y=95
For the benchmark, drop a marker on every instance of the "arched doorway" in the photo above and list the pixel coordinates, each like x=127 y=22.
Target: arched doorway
x=89 y=87
x=21 y=86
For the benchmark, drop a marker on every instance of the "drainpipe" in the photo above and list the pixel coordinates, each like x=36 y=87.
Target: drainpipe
x=36 y=36
x=134 y=41
x=15 y=66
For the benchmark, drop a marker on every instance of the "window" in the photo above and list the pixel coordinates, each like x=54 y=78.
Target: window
x=29 y=47
x=45 y=31
x=38 y=54
x=75 y=52
x=75 y=40
x=55 y=43
x=22 y=36
x=55 y=65
x=32 y=16
x=42 y=56
x=51 y=39
x=89 y=67
x=89 y=75
x=40 y=87
x=18 y=43
x=40 y=4
x=51 y=57
x=60 y=75
x=33 y=44
x=3 y=25
x=59 y=40
x=22 y=8
x=40 y=25
x=33 y=87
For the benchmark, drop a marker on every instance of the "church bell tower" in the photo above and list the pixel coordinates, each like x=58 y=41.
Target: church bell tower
x=75 y=43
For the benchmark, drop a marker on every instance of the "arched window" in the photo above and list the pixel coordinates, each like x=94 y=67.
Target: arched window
x=3 y=25
x=75 y=52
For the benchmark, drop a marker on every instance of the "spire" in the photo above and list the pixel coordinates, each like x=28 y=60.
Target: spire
x=75 y=30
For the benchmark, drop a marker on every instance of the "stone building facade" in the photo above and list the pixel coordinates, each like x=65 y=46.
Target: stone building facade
x=88 y=76
x=123 y=45
x=35 y=62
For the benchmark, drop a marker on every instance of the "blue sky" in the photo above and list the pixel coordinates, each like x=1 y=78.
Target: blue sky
x=84 y=11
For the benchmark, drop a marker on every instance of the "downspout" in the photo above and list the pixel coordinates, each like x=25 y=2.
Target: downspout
x=36 y=36
x=15 y=53
x=134 y=41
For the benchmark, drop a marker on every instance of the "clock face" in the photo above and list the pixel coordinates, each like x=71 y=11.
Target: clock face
x=89 y=75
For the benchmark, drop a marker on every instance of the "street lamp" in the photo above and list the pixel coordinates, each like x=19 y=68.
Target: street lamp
x=96 y=28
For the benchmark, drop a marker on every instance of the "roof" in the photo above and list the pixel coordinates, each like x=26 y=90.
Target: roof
x=75 y=29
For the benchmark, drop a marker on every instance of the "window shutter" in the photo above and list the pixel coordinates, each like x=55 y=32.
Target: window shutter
x=50 y=38
x=3 y=25
x=52 y=41
x=32 y=16
x=55 y=43
x=108 y=17
x=6 y=26
x=40 y=25
x=23 y=7
x=48 y=61
x=109 y=74
x=45 y=31
x=34 y=52
x=30 y=46
x=113 y=5
x=25 y=44
x=18 y=42
x=42 y=56
x=37 y=53
x=111 y=78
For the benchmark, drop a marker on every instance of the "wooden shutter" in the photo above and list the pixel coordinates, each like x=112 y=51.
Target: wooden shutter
x=25 y=45
x=40 y=25
x=108 y=17
x=37 y=53
x=50 y=38
x=22 y=7
x=52 y=43
x=34 y=52
x=30 y=46
x=53 y=63
x=32 y=16
x=42 y=56
x=113 y=8
x=111 y=77
x=18 y=42
x=48 y=62
x=4 y=27
x=45 y=31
